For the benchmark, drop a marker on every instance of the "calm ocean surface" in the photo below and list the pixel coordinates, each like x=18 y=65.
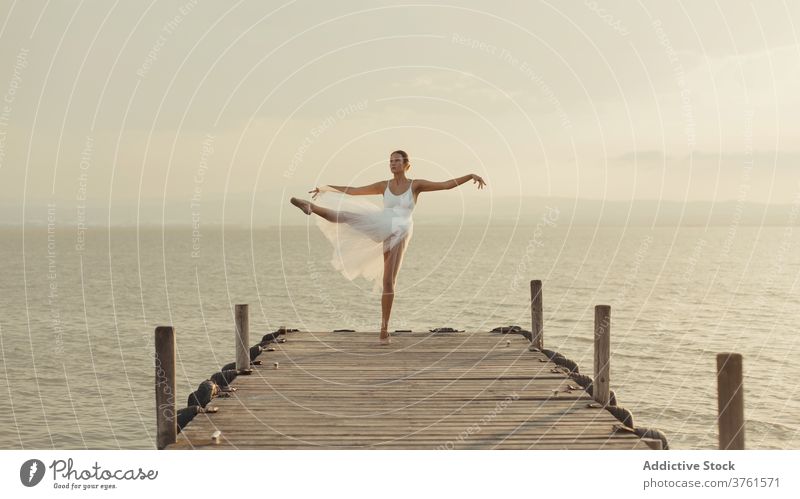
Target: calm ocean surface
x=77 y=326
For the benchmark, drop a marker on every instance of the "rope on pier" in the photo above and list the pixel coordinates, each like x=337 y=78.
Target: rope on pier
x=583 y=380
x=204 y=393
x=562 y=361
x=273 y=337
x=586 y=384
x=570 y=368
x=223 y=379
x=185 y=415
x=513 y=330
x=220 y=381
x=622 y=414
x=654 y=434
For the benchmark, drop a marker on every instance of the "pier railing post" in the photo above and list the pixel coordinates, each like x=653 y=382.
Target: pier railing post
x=537 y=320
x=166 y=422
x=242 y=338
x=730 y=401
x=601 y=387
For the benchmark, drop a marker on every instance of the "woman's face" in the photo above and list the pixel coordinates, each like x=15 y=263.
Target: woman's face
x=396 y=163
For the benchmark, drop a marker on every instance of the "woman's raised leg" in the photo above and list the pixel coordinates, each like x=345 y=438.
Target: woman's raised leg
x=326 y=213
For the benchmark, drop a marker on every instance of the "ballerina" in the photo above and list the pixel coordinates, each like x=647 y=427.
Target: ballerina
x=361 y=232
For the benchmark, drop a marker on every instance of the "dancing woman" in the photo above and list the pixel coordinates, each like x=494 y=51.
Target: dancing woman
x=361 y=232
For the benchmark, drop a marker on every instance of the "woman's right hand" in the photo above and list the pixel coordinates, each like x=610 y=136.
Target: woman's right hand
x=478 y=180
x=314 y=193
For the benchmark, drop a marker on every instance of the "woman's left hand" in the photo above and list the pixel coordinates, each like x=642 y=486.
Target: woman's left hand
x=477 y=179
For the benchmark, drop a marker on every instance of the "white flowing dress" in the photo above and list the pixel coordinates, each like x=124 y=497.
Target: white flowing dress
x=367 y=232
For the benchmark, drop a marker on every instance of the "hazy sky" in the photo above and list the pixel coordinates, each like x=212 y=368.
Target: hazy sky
x=127 y=101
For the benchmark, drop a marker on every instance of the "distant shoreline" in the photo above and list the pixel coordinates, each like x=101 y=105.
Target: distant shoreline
x=461 y=211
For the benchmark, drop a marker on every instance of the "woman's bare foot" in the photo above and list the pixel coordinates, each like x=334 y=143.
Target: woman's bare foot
x=385 y=338
x=302 y=204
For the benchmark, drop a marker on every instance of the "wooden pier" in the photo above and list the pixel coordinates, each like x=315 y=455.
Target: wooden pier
x=465 y=390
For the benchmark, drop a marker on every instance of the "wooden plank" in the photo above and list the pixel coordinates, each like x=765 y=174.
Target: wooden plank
x=424 y=391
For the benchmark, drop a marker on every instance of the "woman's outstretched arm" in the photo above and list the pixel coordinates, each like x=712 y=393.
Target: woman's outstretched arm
x=376 y=188
x=427 y=185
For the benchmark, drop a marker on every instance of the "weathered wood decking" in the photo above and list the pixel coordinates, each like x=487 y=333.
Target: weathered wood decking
x=424 y=391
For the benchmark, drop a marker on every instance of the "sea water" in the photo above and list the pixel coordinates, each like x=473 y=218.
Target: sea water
x=76 y=322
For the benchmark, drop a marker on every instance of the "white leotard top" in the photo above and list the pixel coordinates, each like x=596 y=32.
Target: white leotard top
x=404 y=200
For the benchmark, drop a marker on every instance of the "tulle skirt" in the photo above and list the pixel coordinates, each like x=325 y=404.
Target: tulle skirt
x=367 y=231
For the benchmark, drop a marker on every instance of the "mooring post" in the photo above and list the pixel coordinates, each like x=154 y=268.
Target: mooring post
x=166 y=422
x=537 y=319
x=242 y=338
x=730 y=401
x=601 y=386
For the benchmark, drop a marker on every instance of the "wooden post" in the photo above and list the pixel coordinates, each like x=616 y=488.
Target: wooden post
x=601 y=387
x=242 y=338
x=537 y=319
x=730 y=401
x=166 y=422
